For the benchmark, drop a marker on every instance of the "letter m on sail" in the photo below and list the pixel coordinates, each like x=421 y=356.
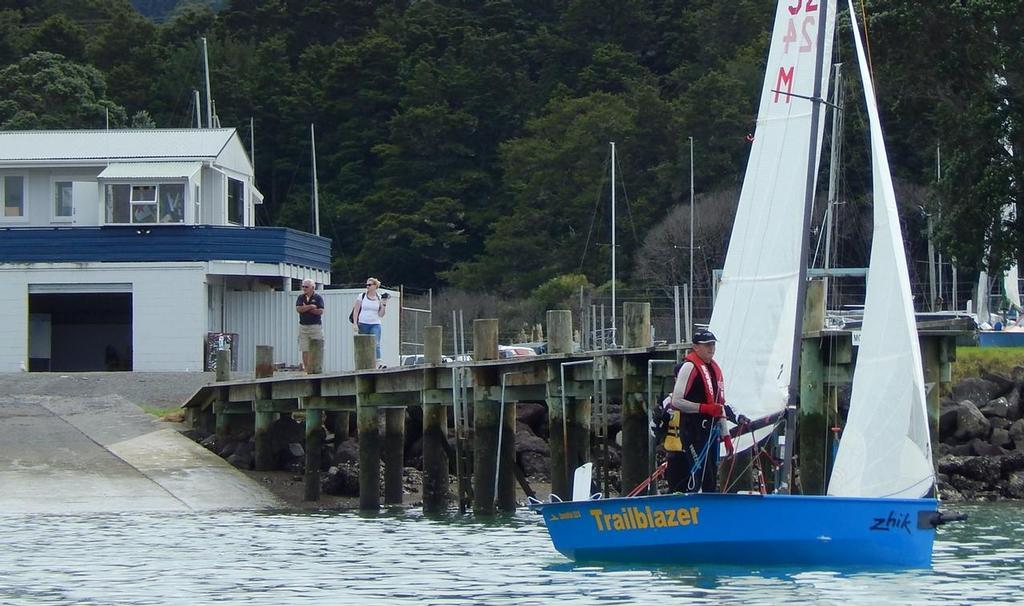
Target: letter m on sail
x=784 y=83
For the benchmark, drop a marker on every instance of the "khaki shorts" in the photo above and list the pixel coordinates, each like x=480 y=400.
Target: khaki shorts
x=309 y=332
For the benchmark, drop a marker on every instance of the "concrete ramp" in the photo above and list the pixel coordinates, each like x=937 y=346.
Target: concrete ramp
x=68 y=454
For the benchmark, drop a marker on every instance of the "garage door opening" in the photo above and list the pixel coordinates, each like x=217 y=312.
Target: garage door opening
x=79 y=332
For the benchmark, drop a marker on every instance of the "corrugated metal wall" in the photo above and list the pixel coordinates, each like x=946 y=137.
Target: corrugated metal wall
x=269 y=318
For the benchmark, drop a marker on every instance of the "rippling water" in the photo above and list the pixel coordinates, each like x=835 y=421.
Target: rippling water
x=404 y=558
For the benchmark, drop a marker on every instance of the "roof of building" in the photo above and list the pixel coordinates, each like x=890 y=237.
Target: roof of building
x=107 y=145
x=150 y=170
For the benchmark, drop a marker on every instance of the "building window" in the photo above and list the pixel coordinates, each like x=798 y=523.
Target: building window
x=12 y=190
x=161 y=203
x=172 y=203
x=236 y=201
x=63 y=201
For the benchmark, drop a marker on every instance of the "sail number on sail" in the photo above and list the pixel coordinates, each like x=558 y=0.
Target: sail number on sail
x=803 y=30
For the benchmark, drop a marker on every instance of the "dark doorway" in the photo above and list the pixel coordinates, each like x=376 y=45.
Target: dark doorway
x=76 y=332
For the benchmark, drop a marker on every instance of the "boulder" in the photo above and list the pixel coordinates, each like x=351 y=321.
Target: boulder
x=527 y=442
x=968 y=488
x=342 y=480
x=1017 y=434
x=982 y=448
x=976 y=390
x=962 y=450
x=996 y=408
x=347 y=452
x=1000 y=438
x=1002 y=382
x=1013 y=407
x=1012 y=462
x=533 y=414
x=982 y=469
x=1014 y=487
x=970 y=423
x=242 y=457
x=947 y=419
x=535 y=465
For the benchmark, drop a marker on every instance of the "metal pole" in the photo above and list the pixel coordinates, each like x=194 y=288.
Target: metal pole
x=206 y=76
x=691 y=215
x=833 y=172
x=199 y=108
x=613 y=242
x=675 y=297
x=688 y=307
x=316 y=195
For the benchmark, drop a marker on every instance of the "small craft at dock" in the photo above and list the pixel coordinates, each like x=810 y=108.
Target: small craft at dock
x=880 y=509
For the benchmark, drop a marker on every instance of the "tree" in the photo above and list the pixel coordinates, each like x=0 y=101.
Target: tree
x=47 y=91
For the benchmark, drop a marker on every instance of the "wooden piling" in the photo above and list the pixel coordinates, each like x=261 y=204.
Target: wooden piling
x=314 y=445
x=562 y=423
x=223 y=365
x=635 y=432
x=931 y=359
x=394 y=454
x=435 y=435
x=559 y=331
x=316 y=357
x=486 y=412
x=367 y=425
x=263 y=455
x=813 y=428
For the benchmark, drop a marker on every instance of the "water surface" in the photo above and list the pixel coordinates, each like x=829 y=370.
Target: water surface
x=277 y=558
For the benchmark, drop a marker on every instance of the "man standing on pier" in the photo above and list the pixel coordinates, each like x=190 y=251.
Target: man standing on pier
x=696 y=420
x=310 y=307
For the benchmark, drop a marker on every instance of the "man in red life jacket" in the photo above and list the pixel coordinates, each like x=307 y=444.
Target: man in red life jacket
x=694 y=411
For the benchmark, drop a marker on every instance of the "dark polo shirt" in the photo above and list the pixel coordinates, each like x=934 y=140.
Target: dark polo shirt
x=308 y=317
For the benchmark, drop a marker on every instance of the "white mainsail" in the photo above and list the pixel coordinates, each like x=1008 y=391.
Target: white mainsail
x=885 y=449
x=755 y=309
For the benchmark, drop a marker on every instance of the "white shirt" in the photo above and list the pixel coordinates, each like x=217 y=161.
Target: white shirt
x=369 y=310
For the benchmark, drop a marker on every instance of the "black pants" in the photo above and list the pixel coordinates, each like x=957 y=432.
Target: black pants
x=680 y=464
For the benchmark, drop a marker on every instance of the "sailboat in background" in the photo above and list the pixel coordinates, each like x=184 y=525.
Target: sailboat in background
x=879 y=509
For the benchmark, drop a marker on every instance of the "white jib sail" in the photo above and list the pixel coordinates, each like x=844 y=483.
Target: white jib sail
x=755 y=309
x=885 y=449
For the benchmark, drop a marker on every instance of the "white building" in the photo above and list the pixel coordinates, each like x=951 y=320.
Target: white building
x=124 y=249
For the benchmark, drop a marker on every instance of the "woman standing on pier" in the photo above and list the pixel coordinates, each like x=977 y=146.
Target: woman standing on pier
x=368 y=311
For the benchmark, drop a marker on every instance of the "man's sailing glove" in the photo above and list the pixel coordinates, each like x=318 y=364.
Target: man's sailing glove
x=659 y=421
x=731 y=415
x=727 y=440
x=712 y=410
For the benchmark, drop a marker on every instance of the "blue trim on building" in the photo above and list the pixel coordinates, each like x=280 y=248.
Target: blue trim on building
x=155 y=243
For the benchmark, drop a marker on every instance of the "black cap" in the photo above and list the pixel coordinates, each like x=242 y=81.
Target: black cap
x=703 y=335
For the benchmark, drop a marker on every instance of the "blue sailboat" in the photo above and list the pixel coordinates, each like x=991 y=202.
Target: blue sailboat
x=880 y=509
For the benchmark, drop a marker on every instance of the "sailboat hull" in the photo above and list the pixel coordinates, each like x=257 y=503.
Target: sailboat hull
x=748 y=530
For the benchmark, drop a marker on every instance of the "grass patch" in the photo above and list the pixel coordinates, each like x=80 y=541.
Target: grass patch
x=173 y=414
x=971 y=361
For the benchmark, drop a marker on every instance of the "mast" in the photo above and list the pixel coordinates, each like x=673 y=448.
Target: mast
x=801 y=293
x=199 y=108
x=689 y=302
x=316 y=194
x=613 y=243
x=206 y=76
x=833 y=170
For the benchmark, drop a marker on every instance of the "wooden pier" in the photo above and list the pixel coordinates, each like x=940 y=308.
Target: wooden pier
x=577 y=389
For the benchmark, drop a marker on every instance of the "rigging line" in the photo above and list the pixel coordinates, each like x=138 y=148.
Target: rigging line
x=597 y=207
x=867 y=41
x=625 y=194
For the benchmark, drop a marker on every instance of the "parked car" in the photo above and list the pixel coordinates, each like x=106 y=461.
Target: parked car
x=414 y=359
x=515 y=351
